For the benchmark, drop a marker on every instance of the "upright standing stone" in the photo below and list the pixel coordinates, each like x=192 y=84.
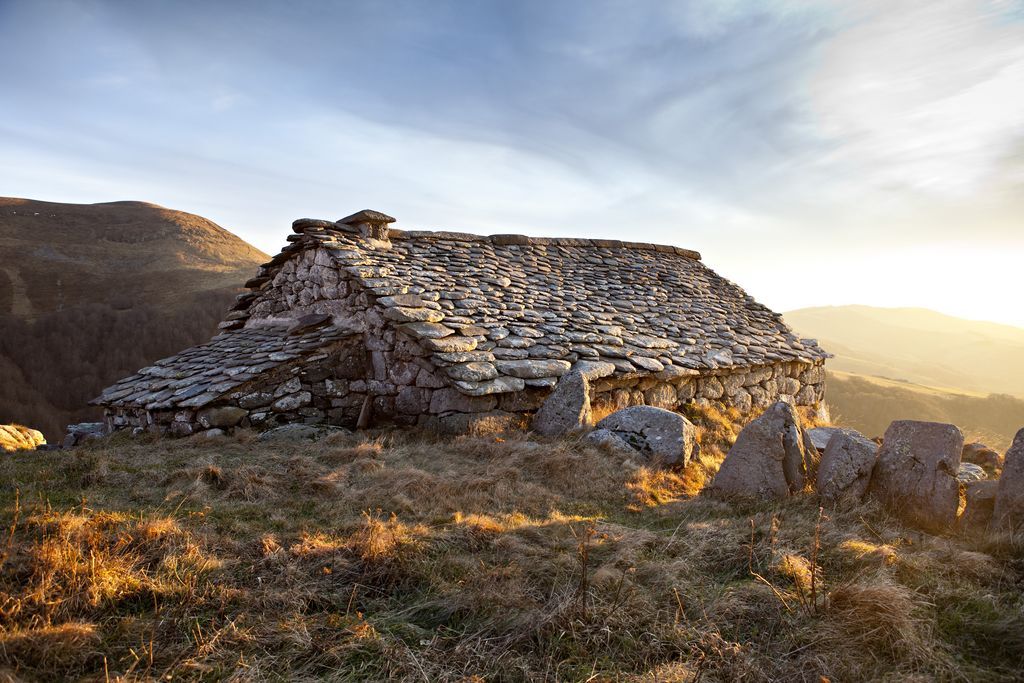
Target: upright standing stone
x=567 y=408
x=768 y=460
x=1009 y=507
x=915 y=476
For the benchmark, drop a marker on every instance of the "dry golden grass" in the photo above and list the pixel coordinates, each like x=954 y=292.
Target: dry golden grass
x=404 y=556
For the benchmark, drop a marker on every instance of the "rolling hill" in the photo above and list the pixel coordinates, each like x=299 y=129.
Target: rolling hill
x=919 y=346
x=913 y=363
x=89 y=293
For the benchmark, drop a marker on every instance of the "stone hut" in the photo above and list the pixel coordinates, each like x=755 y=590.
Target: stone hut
x=356 y=323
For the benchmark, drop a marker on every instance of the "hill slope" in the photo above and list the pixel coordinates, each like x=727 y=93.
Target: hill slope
x=919 y=346
x=89 y=293
x=398 y=556
x=870 y=404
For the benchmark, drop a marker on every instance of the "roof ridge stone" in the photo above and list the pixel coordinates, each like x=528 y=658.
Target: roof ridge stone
x=502 y=239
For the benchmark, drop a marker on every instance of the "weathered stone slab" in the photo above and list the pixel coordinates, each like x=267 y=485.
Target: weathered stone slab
x=292 y=402
x=592 y=370
x=407 y=301
x=452 y=344
x=531 y=369
x=661 y=395
x=472 y=371
x=426 y=330
x=410 y=315
x=495 y=386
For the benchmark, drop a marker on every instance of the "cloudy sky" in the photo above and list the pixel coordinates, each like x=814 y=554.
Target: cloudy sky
x=817 y=153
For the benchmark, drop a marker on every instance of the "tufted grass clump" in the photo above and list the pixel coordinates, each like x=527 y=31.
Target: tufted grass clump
x=399 y=555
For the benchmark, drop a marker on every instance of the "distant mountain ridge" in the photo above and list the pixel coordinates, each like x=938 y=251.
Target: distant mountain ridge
x=918 y=345
x=91 y=292
x=54 y=256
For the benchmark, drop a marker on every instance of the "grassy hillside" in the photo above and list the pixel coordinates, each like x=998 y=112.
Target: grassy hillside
x=90 y=293
x=918 y=346
x=397 y=556
x=870 y=404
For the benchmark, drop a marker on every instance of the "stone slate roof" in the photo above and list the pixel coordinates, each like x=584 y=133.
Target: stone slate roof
x=199 y=375
x=646 y=308
x=538 y=303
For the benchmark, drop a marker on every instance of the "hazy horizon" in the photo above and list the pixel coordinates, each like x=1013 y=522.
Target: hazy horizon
x=816 y=153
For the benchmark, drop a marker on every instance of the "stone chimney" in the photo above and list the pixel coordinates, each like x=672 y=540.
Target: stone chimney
x=371 y=224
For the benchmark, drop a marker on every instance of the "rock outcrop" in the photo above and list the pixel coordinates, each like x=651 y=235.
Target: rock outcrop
x=768 y=460
x=915 y=476
x=1009 y=506
x=844 y=472
x=665 y=438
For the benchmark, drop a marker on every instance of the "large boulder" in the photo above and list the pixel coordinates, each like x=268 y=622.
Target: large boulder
x=915 y=476
x=19 y=438
x=768 y=460
x=844 y=472
x=665 y=438
x=1009 y=506
x=567 y=409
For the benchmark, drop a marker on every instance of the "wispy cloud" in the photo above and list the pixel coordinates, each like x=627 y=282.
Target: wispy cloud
x=747 y=129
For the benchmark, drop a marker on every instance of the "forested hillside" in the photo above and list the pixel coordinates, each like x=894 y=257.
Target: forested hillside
x=89 y=293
